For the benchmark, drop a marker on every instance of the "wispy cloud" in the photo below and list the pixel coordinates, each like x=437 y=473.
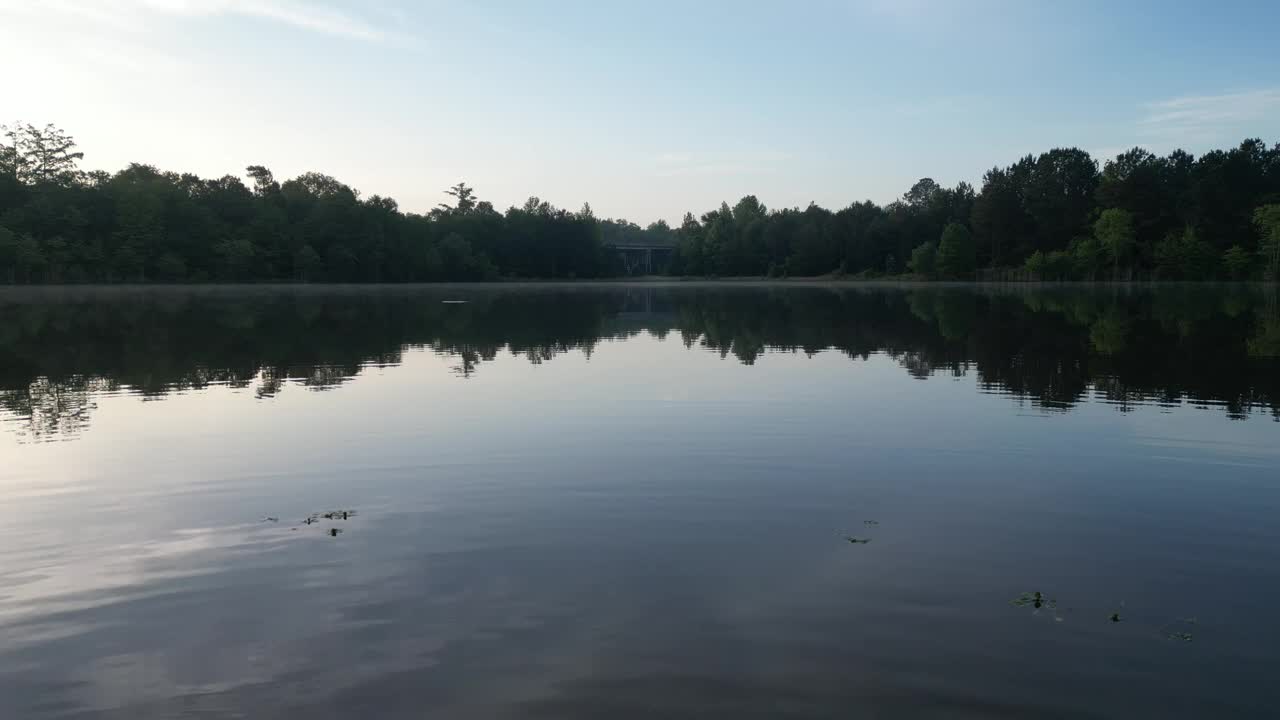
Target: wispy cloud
x=1208 y=118
x=133 y=15
x=303 y=15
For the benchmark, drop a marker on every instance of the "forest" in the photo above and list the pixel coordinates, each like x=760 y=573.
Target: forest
x=1057 y=216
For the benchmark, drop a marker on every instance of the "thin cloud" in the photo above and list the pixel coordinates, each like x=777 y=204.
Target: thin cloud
x=1207 y=118
x=305 y=16
x=103 y=14
x=132 y=15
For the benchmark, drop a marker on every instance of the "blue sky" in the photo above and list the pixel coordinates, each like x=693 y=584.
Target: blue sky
x=645 y=109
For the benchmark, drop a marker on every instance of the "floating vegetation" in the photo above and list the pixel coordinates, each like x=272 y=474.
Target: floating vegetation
x=1029 y=598
x=1038 y=601
x=862 y=541
x=1180 y=629
x=316 y=517
x=1115 y=616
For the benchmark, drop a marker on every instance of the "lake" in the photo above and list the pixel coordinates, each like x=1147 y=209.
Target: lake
x=640 y=501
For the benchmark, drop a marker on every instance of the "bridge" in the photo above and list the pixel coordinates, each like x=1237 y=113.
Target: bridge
x=643 y=257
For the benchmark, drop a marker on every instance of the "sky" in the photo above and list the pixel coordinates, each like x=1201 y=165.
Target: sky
x=644 y=109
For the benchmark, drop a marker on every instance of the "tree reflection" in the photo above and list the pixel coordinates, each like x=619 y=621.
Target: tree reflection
x=1055 y=346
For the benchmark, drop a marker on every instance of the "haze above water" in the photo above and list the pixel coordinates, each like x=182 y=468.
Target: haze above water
x=637 y=501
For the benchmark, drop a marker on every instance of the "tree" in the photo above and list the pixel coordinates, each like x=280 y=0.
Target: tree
x=465 y=196
x=1148 y=187
x=957 y=256
x=40 y=156
x=1114 y=230
x=8 y=255
x=1236 y=262
x=1059 y=196
x=1037 y=265
x=307 y=264
x=924 y=259
x=1267 y=220
x=264 y=183
x=999 y=216
x=8 y=168
x=1226 y=188
x=1174 y=216
x=236 y=258
x=1183 y=256
x=690 y=253
x=923 y=195
x=171 y=268
x=1088 y=257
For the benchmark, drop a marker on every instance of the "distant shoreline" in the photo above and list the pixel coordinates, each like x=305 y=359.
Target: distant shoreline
x=654 y=281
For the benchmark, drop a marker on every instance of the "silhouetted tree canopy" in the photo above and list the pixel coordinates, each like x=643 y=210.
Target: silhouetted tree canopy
x=1056 y=216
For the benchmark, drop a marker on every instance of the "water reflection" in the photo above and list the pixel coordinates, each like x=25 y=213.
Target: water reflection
x=568 y=505
x=1055 y=347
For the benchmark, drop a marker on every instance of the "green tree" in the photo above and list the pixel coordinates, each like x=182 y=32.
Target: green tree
x=1088 y=257
x=690 y=252
x=307 y=264
x=1037 y=265
x=1267 y=220
x=264 y=183
x=1151 y=188
x=957 y=256
x=171 y=268
x=40 y=155
x=1236 y=262
x=464 y=196
x=924 y=259
x=8 y=255
x=1114 y=230
x=235 y=257
x=1183 y=256
x=1000 y=219
x=1059 y=196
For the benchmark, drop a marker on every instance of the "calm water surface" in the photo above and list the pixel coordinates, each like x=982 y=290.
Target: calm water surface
x=634 y=502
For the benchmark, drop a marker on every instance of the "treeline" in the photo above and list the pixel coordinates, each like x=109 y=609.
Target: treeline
x=1057 y=216
x=1052 y=217
x=59 y=224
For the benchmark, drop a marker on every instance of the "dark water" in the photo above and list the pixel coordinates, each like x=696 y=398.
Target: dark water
x=633 y=502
